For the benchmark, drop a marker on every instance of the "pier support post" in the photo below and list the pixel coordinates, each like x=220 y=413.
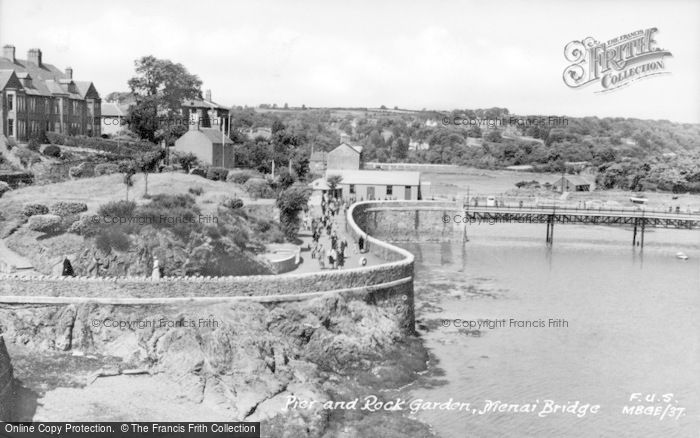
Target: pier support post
x=550 y=230
x=634 y=233
x=644 y=221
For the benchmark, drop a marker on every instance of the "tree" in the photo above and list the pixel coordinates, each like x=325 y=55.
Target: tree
x=186 y=161
x=286 y=179
x=333 y=182
x=146 y=163
x=290 y=202
x=160 y=86
x=400 y=149
x=300 y=165
x=277 y=126
x=128 y=169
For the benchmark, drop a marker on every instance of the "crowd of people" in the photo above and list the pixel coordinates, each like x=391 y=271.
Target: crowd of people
x=335 y=254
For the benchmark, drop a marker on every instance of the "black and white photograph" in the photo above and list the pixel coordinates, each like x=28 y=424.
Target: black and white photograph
x=364 y=219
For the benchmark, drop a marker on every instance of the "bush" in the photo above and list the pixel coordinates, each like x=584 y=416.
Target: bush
x=199 y=172
x=27 y=157
x=112 y=238
x=45 y=223
x=259 y=188
x=33 y=145
x=117 y=209
x=241 y=176
x=52 y=151
x=82 y=225
x=180 y=211
x=34 y=209
x=232 y=203
x=78 y=171
x=124 y=148
x=186 y=160
x=217 y=173
x=197 y=191
x=106 y=169
x=64 y=209
x=291 y=202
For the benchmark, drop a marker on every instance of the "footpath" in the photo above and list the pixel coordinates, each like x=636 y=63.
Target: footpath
x=353 y=256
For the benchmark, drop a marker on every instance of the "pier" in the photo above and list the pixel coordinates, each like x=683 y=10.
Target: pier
x=638 y=219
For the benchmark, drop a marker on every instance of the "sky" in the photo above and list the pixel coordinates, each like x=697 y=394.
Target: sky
x=438 y=55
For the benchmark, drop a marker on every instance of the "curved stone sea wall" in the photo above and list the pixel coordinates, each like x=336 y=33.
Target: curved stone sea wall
x=389 y=284
x=411 y=221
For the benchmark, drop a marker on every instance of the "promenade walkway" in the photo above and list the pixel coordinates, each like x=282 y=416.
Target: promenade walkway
x=352 y=253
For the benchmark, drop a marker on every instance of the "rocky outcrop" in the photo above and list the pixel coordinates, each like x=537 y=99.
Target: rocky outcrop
x=7 y=385
x=244 y=359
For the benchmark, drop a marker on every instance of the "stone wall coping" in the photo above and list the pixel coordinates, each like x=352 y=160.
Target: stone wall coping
x=407 y=256
x=24 y=299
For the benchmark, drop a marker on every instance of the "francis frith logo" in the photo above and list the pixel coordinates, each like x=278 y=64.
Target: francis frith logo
x=614 y=63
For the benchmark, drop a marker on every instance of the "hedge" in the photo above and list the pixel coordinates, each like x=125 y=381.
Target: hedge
x=232 y=203
x=101 y=144
x=241 y=176
x=199 y=172
x=106 y=169
x=217 y=173
x=52 y=151
x=64 y=209
x=45 y=223
x=34 y=209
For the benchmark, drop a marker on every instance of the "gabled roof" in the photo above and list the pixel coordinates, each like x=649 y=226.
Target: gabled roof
x=357 y=149
x=8 y=79
x=48 y=80
x=376 y=177
x=214 y=135
x=86 y=89
x=573 y=179
x=202 y=103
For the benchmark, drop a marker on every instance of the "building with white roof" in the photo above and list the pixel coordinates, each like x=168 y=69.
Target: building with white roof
x=377 y=184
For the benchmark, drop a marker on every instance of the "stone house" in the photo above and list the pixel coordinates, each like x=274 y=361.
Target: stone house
x=209 y=145
x=36 y=97
x=344 y=156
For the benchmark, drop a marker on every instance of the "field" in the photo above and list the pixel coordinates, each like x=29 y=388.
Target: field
x=479 y=182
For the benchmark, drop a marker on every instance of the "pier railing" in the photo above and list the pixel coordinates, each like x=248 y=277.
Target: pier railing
x=597 y=211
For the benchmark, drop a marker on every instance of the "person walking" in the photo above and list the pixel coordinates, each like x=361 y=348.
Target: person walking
x=321 y=262
x=341 y=259
x=334 y=258
x=331 y=259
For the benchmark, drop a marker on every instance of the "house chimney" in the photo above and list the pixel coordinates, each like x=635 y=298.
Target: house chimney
x=69 y=72
x=207 y=95
x=8 y=52
x=34 y=56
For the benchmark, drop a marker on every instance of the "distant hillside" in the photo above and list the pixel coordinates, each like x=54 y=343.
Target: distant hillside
x=635 y=154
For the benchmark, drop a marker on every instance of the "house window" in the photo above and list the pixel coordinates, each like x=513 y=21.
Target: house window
x=10 y=102
x=352 y=189
x=11 y=127
x=389 y=190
